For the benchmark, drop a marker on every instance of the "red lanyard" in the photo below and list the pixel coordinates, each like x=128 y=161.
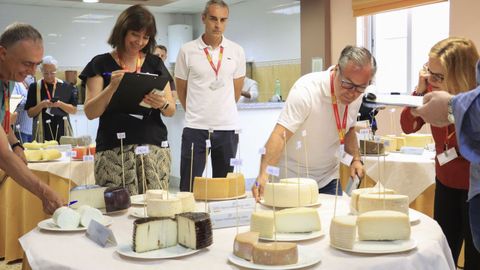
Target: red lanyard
x=216 y=69
x=448 y=136
x=138 y=65
x=6 y=103
x=341 y=129
x=53 y=88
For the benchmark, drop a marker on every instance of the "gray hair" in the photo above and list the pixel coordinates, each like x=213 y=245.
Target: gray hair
x=49 y=60
x=221 y=3
x=359 y=56
x=16 y=32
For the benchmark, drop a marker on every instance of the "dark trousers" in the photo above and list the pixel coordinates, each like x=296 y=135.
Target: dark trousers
x=451 y=213
x=474 y=209
x=331 y=187
x=223 y=148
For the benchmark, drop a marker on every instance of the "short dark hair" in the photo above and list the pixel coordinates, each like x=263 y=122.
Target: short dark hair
x=135 y=18
x=214 y=2
x=161 y=47
x=16 y=32
x=360 y=56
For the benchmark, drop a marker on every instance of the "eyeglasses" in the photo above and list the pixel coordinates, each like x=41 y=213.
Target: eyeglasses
x=436 y=77
x=351 y=86
x=49 y=73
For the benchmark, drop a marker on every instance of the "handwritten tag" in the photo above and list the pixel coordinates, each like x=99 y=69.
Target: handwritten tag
x=164 y=144
x=142 y=150
x=88 y=158
x=304 y=133
x=236 y=162
x=262 y=151
x=121 y=135
x=208 y=144
x=272 y=170
x=299 y=144
x=100 y=234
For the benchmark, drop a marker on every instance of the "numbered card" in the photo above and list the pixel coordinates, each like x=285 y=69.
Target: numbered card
x=208 y=144
x=88 y=158
x=236 y=162
x=142 y=150
x=121 y=135
x=262 y=151
x=272 y=170
x=164 y=144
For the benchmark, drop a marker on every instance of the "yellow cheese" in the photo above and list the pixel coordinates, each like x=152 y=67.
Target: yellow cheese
x=262 y=222
x=399 y=141
x=288 y=191
x=155 y=194
x=343 y=231
x=51 y=154
x=33 y=155
x=418 y=140
x=219 y=188
x=295 y=220
x=383 y=225
x=372 y=202
x=390 y=144
x=280 y=253
x=33 y=145
x=188 y=201
x=243 y=245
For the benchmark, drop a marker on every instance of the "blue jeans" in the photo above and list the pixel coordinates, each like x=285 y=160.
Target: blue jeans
x=474 y=209
x=24 y=137
x=331 y=187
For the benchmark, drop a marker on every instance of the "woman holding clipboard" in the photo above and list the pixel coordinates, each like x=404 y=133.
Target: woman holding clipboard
x=132 y=40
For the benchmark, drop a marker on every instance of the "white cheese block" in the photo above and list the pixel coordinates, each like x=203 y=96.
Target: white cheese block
x=244 y=243
x=372 y=202
x=188 y=201
x=164 y=207
x=194 y=230
x=262 y=222
x=66 y=218
x=87 y=213
x=155 y=194
x=93 y=196
x=357 y=192
x=279 y=253
x=154 y=233
x=343 y=231
x=383 y=225
x=291 y=192
x=295 y=220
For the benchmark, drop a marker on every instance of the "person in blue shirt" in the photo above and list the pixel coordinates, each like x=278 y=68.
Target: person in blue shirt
x=441 y=109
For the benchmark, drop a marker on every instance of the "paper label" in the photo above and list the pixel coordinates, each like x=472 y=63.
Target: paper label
x=447 y=156
x=71 y=154
x=208 y=144
x=231 y=219
x=229 y=206
x=272 y=170
x=100 y=234
x=121 y=135
x=299 y=144
x=88 y=158
x=236 y=162
x=164 y=144
x=345 y=157
x=142 y=150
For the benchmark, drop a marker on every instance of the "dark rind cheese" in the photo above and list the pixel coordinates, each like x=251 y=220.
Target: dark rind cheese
x=162 y=236
x=116 y=198
x=194 y=230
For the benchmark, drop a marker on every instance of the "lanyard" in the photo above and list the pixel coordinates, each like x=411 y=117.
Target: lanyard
x=53 y=88
x=216 y=69
x=138 y=65
x=341 y=129
x=6 y=103
x=448 y=137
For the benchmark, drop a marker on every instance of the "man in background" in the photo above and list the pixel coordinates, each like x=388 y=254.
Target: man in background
x=21 y=50
x=249 y=91
x=23 y=125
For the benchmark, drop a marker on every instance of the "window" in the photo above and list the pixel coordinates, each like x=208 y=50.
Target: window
x=400 y=41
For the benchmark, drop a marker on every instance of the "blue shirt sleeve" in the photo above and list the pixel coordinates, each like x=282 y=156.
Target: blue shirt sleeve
x=466 y=109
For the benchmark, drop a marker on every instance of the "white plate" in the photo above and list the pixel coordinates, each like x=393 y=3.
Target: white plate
x=138 y=213
x=262 y=202
x=381 y=247
x=49 y=225
x=224 y=199
x=286 y=237
x=305 y=258
x=164 y=253
x=137 y=199
x=414 y=217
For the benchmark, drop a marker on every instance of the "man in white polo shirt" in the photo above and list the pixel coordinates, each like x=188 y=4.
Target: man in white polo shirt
x=325 y=105
x=209 y=76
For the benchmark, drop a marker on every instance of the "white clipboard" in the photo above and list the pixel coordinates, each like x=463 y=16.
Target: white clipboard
x=378 y=100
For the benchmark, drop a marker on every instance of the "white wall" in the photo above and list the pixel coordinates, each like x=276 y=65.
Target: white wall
x=76 y=43
x=263 y=35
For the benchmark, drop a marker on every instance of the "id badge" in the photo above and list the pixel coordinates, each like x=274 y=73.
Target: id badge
x=217 y=84
x=345 y=157
x=447 y=156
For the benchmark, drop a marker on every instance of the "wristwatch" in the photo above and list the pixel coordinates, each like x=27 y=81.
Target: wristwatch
x=19 y=144
x=450 y=116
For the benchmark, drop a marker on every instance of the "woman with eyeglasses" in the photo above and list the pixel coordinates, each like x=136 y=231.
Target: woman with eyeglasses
x=49 y=100
x=450 y=67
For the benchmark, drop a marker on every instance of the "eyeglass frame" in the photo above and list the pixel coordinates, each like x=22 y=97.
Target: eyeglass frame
x=49 y=73
x=437 y=77
x=350 y=85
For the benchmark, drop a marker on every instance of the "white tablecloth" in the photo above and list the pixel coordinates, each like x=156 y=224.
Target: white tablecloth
x=49 y=250
x=80 y=172
x=406 y=174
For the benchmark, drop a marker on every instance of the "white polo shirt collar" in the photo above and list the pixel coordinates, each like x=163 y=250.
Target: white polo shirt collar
x=202 y=45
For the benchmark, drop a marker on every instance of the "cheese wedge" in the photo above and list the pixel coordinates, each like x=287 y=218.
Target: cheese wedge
x=343 y=231
x=372 y=202
x=194 y=230
x=154 y=233
x=357 y=192
x=262 y=222
x=219 y=188
x=164 y=207
x=383 y=225
x=296 y=220
x=279 y=253
x=244 y=243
